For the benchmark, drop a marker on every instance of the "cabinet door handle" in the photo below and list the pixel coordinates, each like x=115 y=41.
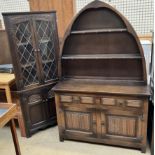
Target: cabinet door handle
x=35 y=50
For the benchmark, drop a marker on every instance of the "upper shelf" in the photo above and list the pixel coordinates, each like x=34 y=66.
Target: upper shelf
x=103 y=56
x=24 y=43
x=98 y=31
x=44 y=41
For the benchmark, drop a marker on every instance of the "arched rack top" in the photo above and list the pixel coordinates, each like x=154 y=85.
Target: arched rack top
x=96 y=8
x=91 y=19
x=100 y=35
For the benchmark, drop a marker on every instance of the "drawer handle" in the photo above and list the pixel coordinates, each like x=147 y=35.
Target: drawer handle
x=76 y=99
x=120 y=102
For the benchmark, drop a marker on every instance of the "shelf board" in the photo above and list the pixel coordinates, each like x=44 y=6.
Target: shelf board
x=106 y=80
x=32 y=63
x=23 y=43
x=103 y=56
x=47 y=61
x=98 y=31
x=44 y=41
x=27 y=64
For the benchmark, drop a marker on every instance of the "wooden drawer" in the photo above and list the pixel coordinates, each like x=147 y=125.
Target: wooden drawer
x=121 y=102
x=134 y=103
x=105 y=101
x=87 y=99
x=67 y=98
x=108 y=101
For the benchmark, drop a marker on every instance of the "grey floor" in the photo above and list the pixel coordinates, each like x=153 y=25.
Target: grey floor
x=46 y=142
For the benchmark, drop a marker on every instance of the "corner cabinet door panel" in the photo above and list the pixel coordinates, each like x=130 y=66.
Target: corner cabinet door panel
x=25 y=52
x=121 y=125
x=48 y=96
x=79 y=122
x=47 y=45
x=34 y=108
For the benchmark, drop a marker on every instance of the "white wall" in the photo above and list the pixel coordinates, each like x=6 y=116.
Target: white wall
x=13 y=6
x=139 y=12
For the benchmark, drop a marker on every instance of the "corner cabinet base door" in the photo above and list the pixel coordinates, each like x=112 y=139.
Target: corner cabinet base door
x=39 y=109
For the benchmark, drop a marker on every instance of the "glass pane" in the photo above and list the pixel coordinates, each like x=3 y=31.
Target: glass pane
x=29 y=75
x=46 y=36
x=25 y=53
x=49 y=69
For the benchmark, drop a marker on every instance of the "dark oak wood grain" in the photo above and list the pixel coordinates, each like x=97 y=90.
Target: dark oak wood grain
x=34 y=48
x=102 y=95
x=7 y=113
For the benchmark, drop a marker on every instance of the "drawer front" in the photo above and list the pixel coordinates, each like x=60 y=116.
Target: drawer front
x=76 y=99
x=65 y=98
x=108 y=101
x=122 y=102
x=87 y=99
x=102 y=100
x=134 y=103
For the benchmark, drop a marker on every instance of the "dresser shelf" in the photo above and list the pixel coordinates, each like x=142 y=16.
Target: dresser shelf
x=102 y=93
x=23 y=43
x=102 y=56
x=98 y=31
x=44 y=41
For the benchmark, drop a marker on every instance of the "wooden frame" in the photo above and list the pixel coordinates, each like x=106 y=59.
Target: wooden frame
x=8 y=116
x=103 y=95
x=34 y=48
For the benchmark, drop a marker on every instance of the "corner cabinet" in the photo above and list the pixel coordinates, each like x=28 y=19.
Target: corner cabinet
x=102 y=96
x=34 y=48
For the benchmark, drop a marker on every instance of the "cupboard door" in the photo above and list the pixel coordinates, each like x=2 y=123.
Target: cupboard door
x=25 y=52
x=48 y=96
x=122 y=125
x=34 y=108
x=47 y=45
x=79 y=122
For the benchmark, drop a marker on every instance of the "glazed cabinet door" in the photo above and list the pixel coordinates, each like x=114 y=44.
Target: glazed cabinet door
x=47 y=45
x=22 y=45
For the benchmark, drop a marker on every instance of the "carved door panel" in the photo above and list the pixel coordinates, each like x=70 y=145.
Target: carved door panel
x=47 y=45
x=48 y=96
x=79 y=121
x=122 y=124
x=34 y=108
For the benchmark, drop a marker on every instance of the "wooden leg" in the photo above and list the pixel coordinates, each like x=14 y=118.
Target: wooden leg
x=14 y=136
x=21 y=125
x=61 y=139
x=143 y=149
x=8 y=94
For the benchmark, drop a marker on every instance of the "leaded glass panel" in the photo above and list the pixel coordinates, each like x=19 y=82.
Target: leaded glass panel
x=26 y=54
x=46 y=35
